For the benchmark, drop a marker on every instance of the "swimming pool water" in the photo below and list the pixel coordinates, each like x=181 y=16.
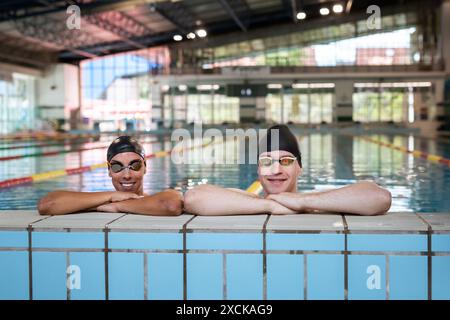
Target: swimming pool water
x=329 y=160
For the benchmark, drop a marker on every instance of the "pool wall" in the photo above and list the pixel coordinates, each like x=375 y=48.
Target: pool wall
x=122 y=256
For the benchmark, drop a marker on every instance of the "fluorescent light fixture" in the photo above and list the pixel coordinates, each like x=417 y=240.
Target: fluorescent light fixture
x=300 y=85
x=338 y=8
x=423 y=84
x=165 y=87
x=274 y=86
x=206 y=87
x=324 y=11
x=201 y=33
x=312 y=85
x=207 y=66
x=190 y=35
x=177 y=37
x=182 y=87
x=301 y=15
x=410 y=105
x=321 y=85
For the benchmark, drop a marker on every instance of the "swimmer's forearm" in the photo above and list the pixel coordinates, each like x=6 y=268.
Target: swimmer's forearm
x=211 y=200
x=363 y=198
x=165 y=203
x=64 y=202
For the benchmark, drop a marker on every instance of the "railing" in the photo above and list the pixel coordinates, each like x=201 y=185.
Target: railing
x=308 y=69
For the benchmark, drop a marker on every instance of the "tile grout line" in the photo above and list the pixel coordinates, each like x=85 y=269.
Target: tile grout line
x=224 y=276
x=305 y=277
x=68 y=296
x=145 y=277
x=388 y=289
x=345 y=257
x=185 y=258
x=429 y=258
x=264 y=252
x=106 y=251
x=30 y=264
x=30 y=257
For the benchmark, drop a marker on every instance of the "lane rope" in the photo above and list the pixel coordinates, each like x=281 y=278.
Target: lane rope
x=416 y=153
x=71 y=171
x=54 y=153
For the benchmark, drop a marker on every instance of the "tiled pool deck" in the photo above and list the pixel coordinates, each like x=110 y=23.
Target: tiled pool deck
x=122 y=256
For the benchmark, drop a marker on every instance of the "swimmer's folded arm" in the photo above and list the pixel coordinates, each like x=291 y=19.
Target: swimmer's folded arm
x=210 y=200
x=166 y=203
x=362 y=198
x=63 y=202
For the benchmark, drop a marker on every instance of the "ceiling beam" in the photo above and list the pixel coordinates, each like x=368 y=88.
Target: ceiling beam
x=232 y=14
x=86 y=8
x=348 y=6
x=288 y=28
x=169 y=16
x=225 y=32
x=106 y=24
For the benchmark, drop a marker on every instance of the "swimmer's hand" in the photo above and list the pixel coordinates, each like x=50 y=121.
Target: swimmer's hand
x=118 y=196
x=292 y=201
x=109 y=207
x=279 y=209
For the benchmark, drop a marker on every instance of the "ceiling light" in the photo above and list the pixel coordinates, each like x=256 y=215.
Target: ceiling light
x=301 y=15
x=338 y=8
x=201 y=33
x=177 y=37
x=190 y=35
x=324 y=11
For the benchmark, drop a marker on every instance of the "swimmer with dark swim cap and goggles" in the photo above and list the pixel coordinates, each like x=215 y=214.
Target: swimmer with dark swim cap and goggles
x=126 y=167
x=279 y=166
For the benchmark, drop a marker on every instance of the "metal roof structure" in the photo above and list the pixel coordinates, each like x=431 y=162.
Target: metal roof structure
x=34 y=33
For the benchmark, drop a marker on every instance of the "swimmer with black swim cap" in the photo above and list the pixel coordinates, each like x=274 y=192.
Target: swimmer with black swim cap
x=126 y=167
x=279 y=160
x=279 y=167
x=126 y=164
x=124 y=144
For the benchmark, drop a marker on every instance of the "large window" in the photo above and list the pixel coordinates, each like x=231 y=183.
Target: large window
x=116 y=89
x=304 y=103
x=17 y=106
x=397 y=43
x=392 y=101
x=207 y=104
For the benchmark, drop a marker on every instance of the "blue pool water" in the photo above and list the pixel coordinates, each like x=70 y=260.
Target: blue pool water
x=329 y=160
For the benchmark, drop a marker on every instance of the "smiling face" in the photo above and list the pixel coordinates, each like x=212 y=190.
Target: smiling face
x=277 y=178
x=128 y=180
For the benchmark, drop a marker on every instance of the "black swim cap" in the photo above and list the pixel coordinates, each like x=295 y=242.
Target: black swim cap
x=124 y=144
x=287 y=142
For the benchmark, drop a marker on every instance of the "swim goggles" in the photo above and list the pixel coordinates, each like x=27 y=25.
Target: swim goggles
x=116 y=167
x=268 y=161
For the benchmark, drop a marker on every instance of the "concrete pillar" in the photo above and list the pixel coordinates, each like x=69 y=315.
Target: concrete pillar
x=247 y=109
x=445 y=34
x=342 y=153
x=439 y=99
x=58 y=95
x=343 y=109
x=157 y=105
x=261 y=109
x=444 y=104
